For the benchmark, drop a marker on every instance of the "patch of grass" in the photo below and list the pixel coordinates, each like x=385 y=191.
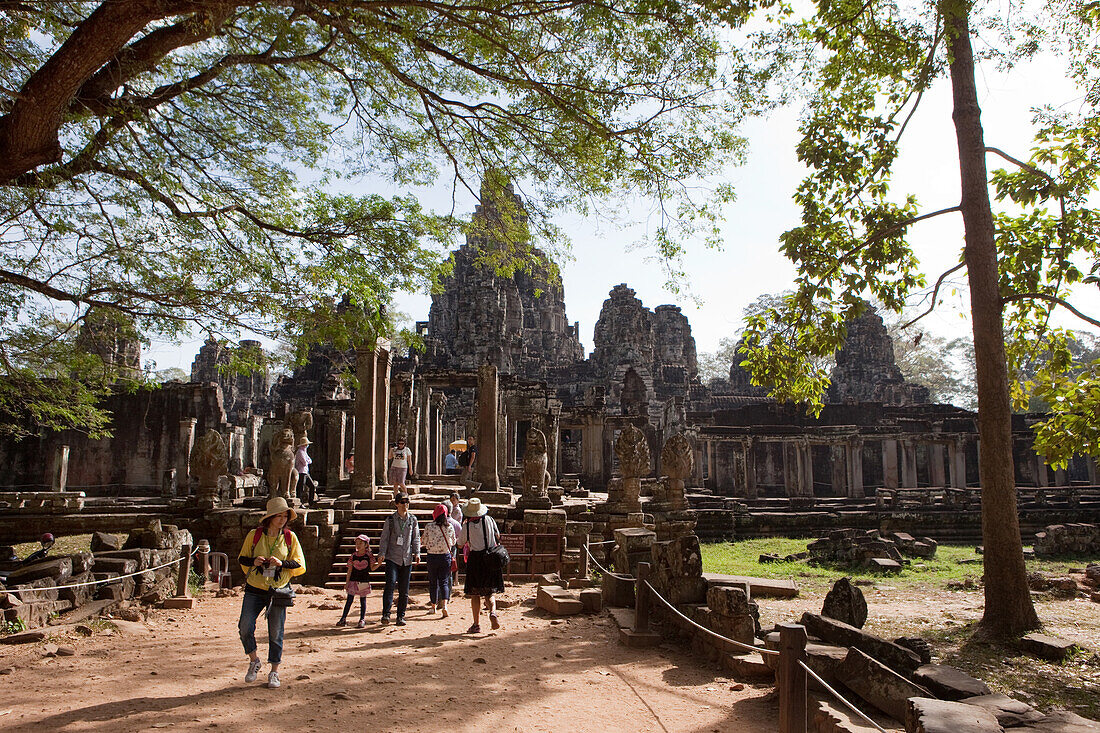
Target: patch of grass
x=12 y=627
x=66 y=545
x=743 y=558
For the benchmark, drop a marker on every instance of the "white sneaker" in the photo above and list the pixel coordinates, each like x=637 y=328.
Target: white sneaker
x=273 y=680
x=253 y=670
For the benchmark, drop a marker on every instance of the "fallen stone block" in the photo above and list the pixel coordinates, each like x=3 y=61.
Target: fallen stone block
x=550 y=579
x=558 y=601
x=845 y=602
x=878 y=684
x=618 y=591
x=949 y=683
x=36 y=614
x=57 y=568
x=143 y=557
x=1010 y=713
x=102 y=542
x=884 y=565
x=758 y=587
x=1060 y=722
x=24 y=637
x=898 y=658
x=81 y=590
x=119 y=565
x=831 y=717
x=624 y=619
x=1047 y=647
x=747 y=666
x=591 y=599
x=925 y=715
x=43 y=589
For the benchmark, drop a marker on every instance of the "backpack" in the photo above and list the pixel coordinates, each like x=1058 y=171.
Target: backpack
x=464 y=458
x=260 y=530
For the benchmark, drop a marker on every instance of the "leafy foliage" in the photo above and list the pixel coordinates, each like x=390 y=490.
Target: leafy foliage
x=200 y=164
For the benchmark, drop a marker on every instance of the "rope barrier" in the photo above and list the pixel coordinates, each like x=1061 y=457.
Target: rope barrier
x=705 y=630
x=109 y=580
x=605 y=542
x=601 y=567
x=840 y=697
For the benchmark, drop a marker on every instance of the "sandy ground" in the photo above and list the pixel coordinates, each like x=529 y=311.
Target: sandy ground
x=184 y=670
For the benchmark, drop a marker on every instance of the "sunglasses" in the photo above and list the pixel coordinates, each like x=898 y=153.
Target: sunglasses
x=402 y=501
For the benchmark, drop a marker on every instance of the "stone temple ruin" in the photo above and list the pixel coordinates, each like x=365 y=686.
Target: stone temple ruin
x=571 y=447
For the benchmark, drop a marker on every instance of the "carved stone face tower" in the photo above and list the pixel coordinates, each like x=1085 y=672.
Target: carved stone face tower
x=866 y=370
x=517 y=322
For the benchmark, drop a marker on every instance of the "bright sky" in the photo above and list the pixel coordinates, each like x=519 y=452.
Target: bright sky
x=749 y=264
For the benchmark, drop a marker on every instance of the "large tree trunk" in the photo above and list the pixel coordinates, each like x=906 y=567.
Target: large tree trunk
x=1008 y=607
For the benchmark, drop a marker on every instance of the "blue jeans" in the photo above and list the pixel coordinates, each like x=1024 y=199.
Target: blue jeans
x=439 y=577
x=251 y=607
x=396 y=576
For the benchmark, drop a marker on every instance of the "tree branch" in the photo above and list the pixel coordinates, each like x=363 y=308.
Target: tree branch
x=1051 y=299
x=935 y=292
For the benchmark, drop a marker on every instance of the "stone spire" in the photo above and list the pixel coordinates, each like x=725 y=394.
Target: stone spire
x=865 y=368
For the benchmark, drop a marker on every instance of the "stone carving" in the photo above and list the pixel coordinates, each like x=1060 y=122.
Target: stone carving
x=865 y=368
x=845 y=602
x=633 y=453
x=301 y=423
x=209 y=460
x=677 y=462
x=282 y=478
x=536 y=479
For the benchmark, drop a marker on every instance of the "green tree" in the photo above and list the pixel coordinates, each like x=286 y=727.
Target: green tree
x=876 y=61
x=199 y=163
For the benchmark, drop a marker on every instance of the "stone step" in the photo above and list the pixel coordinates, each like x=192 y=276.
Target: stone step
x=558 y=601
x=758 y=587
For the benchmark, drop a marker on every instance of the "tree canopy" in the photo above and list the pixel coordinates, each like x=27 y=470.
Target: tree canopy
x=228 y=166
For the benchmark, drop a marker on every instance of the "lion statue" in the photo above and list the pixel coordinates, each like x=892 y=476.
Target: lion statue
x=282 y=478
x=536 y=478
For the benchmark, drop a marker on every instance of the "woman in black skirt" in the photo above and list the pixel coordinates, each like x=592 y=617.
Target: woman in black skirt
x=484 y=576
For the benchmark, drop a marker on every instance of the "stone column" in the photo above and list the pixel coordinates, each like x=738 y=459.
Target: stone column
x=854 y=450
x=806 y=469
x=58 y=477
x=908 y=464
x=423 y=441
x=1090 y=465
x=748 y=450
x=696 y=480
x=488 y=406
x=382 y=363
x=790 y=468
x=890 y=464
x=838 y=459
x=335 y=434
x=183 y=455
x=236 y=449
x=435 y=435
x=1042 y=478
x=711 y=464
x=553 y=440
x=956 y=463
x=1060 y=478
x=362 y=480
x=252 y=442
x=935 y=468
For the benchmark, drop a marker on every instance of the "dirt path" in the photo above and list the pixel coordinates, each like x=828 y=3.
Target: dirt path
x=184 y=670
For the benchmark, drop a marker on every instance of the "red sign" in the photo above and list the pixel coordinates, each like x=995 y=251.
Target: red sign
x=515 y=544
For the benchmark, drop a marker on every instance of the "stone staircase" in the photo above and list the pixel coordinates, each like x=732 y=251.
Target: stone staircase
x=370 y=521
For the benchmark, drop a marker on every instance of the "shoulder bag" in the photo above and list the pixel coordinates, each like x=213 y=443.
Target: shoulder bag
x=497 y=552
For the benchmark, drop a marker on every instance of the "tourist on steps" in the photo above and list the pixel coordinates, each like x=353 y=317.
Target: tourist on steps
x=357 y=581
x=270 y=557
x=302 y=461
x=450 y=463
x=484 y=576
x=400 y=464
x=399 y=547
x=439 y=540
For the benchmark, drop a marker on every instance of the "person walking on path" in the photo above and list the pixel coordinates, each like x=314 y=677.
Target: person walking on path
x=270 y=557
x=439 y=541
x=484 y=576
x=302 y=462
x=399 y=547
x=357 y=581
x=400 y=461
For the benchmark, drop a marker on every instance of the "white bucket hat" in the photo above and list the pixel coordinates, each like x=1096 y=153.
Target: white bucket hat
x=474 y=508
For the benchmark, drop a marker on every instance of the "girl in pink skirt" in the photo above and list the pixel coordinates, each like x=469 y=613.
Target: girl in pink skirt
x=357 y=581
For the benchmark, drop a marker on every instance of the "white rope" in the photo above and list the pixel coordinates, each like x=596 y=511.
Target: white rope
x=107 y=581
x=605 y=542
x=602 y=568
x=840 y=697
x=705 y=630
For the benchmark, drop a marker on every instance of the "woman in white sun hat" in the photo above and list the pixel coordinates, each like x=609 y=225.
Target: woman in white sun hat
x=484 y=576
x=270 y=557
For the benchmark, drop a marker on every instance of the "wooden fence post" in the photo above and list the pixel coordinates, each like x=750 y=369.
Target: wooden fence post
x=584 y=560
x=792 y=678
x=641 y=600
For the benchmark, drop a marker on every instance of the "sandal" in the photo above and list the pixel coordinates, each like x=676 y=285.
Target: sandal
x=474 y=629
x=494 y=621
x=444 y=612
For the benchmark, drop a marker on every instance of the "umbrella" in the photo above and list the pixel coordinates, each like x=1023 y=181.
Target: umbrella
x=458 y=445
